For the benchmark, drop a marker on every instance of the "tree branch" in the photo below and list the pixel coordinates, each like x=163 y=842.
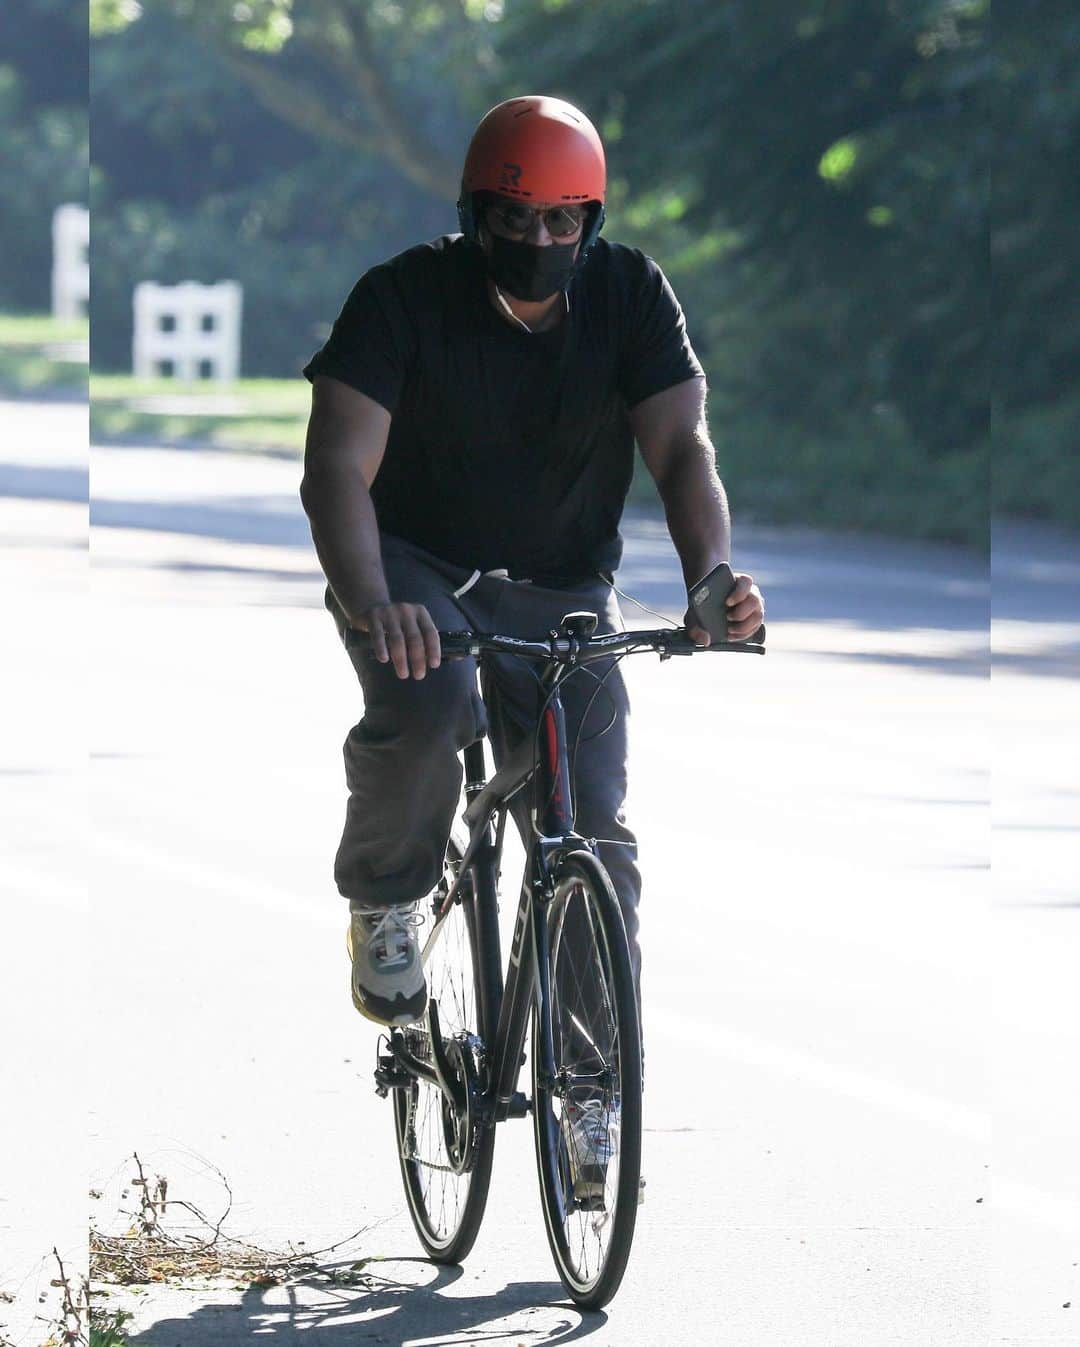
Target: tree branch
x=413 y=156
x=297 y=103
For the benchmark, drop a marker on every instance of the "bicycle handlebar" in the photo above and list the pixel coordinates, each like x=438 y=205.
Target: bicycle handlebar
x=561 y=649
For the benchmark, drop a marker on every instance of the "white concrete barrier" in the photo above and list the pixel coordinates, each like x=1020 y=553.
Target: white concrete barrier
x=187 y=331
x=71 y=261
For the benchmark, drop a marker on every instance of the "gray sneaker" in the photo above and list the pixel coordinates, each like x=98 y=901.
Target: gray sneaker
x=592 y=1138
x=387 y=976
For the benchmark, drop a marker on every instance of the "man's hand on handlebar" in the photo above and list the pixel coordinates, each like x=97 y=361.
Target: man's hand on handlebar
x=745 y=613
x=404 y=635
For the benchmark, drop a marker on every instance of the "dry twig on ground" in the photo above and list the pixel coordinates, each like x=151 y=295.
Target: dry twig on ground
x=68 y=1324
x=152 y=1250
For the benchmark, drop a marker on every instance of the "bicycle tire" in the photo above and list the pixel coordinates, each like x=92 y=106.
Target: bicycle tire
x=446 y=1211
x=581 y=879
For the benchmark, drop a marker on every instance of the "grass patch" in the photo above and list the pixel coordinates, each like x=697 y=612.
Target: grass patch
x=39 y=329
x=107 y=1328
x=262 y=415
x=1036 y=464
x=869 y=480
x=41 y=355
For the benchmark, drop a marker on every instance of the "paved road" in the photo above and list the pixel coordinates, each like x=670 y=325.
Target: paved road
x=44 y=1061
x=1035 y=954
x=819 y=965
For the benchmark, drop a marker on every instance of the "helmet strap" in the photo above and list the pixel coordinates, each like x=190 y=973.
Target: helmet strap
x=467 y=216
x=592 y=233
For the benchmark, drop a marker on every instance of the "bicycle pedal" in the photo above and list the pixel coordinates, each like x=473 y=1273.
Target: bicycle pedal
x=389 y=1075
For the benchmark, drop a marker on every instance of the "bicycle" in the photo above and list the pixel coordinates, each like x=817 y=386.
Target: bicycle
x=454 y=1075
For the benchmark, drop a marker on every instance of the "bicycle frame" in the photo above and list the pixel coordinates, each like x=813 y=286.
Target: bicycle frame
x=506 y=1002
x=541 y=757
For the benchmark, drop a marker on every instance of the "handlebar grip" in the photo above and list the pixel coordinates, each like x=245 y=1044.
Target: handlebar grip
x=453 y=642
x=457 y=642
x=755 y=643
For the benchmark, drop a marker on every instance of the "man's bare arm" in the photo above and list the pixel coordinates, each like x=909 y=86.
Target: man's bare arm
x=346 y=440
x=673 y=437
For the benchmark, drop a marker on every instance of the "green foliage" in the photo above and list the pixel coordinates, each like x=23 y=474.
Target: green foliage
x=874 y=479
x=845 y=148
x=1036 y=202
x=196 y=178
x=1036 y=218
x=112 y=16
x=1036 y=463
x=43 y=150
x=814 y=179
x=107 y=1327
x=832 y=159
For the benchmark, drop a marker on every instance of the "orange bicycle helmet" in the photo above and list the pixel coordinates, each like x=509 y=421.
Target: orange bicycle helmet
x=538 y=149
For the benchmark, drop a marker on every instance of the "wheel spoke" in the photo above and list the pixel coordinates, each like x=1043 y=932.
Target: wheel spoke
x=430 y=1137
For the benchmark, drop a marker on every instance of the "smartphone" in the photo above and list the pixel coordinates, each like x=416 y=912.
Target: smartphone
x=707 y=598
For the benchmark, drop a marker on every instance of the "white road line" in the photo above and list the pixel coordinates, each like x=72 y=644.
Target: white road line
x=738 y=1046
x=1009 y=1195
x=211 y=879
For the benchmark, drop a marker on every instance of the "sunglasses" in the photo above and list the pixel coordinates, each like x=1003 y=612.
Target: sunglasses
x=560 y=221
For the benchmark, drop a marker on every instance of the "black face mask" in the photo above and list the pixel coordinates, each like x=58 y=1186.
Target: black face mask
x=530 y=272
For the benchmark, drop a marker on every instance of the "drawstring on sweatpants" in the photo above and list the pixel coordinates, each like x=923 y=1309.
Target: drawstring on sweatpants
x=500 y=574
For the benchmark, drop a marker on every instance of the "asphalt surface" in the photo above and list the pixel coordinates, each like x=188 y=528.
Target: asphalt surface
x=838 y=990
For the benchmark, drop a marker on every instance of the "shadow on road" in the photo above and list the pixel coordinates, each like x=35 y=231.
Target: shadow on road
x=1036 y=600
x=336 y=1307
x=271 y=520
x=52 y=482
x=865 y=583
x=974 y=664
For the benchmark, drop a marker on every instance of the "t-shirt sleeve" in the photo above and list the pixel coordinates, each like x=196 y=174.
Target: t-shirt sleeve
x=657 y=353
x=371 y=344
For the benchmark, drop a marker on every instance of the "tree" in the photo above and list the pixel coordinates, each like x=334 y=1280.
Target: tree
x=377 y=80
x=826 y=166
x=43 y=151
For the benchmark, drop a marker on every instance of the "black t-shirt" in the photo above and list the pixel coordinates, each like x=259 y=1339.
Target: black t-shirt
x=507 y=448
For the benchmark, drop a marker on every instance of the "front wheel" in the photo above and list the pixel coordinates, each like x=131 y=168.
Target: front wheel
x=587 y=1112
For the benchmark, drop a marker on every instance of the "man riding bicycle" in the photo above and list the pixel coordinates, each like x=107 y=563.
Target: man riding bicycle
x=469 y=452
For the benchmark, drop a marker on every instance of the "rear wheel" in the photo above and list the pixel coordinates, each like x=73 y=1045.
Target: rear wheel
x=446 y=1153
x=587 y=1118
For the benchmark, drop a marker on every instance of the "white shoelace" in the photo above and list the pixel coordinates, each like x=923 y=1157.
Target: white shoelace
x=393 y=926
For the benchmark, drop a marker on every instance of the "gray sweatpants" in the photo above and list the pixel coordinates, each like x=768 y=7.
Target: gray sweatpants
x=401 y=760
